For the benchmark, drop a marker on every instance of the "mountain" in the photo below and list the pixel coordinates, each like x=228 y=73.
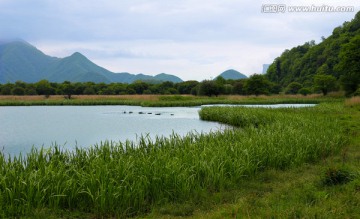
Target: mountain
x=337 y=56
x=167 y=77
x=20 y=61
x=77 y=68
x=232 y=74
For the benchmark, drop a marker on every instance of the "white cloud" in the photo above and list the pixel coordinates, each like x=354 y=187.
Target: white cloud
x=195 y=39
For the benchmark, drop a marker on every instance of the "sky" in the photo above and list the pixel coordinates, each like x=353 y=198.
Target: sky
x=192 y=39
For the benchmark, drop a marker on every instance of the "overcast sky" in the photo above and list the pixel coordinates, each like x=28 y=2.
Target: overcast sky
x=193 y=39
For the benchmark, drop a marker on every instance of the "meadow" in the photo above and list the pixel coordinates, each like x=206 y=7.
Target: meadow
x=176 y=175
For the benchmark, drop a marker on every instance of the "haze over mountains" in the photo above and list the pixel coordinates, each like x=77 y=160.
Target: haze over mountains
x=20 y=61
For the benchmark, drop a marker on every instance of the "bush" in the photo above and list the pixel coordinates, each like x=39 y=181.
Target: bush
x=304 y=91
x=334 y=176
x=293 y=88
x=357 y=92
x=18 y=91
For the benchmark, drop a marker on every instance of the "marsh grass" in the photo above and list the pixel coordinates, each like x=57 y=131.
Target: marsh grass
x=161 y=100
x=353 y=101
x=130 y=178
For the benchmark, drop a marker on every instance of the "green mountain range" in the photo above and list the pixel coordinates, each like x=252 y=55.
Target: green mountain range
x=232 y=74
x=20 y=61
x=337 y=55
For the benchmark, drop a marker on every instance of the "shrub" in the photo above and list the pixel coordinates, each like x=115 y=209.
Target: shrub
x=304 y=91
x=334 y=176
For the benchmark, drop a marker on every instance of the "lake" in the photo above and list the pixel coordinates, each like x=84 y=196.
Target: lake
x=22 y=127
x=82 y=126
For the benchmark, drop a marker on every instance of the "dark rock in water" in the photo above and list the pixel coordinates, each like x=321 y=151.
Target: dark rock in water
x=141 y=113
x=149 y=113
x=158 y=114
x=130 y=112
x=171 y=114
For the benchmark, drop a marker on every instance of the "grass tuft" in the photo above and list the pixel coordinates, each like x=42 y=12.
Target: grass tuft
x=335 y=176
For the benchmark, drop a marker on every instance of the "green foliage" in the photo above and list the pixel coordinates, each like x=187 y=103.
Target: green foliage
x=6 y=89
x=357 y=92
x=335 y=176
x=336 y=55
x=186 y=86
x=257 y=84
x=18 y=91
x=349 y=65
x=325 y=83
x=239 y=87
x=209 y=88
x=44 y=87
x=293 y=88
x=304 y=91
x=68 y=89
x=126 y=179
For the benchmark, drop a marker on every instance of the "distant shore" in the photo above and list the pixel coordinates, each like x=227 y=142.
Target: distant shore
x=163 y=100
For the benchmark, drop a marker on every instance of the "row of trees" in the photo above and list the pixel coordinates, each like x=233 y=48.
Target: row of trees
x=255 y=85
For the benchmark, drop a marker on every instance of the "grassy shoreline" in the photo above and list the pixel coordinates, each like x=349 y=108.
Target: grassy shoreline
x=180 y=176
x=163 y=100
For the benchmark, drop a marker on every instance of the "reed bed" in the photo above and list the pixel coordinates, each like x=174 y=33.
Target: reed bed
x=353 y=101
x=129 y=178
x=160 y=100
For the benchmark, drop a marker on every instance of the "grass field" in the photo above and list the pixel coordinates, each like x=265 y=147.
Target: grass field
x=273 y=163
x=164 y=100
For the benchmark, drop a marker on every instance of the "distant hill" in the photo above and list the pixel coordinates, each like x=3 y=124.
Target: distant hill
x=20 y=61
x=232 y=74
x=167 y=77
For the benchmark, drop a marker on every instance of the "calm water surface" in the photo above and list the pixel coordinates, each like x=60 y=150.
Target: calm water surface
x=83 y=126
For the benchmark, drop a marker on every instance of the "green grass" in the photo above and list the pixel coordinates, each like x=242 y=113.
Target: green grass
x=306 y=191
x=136 y=178
x=163 y=100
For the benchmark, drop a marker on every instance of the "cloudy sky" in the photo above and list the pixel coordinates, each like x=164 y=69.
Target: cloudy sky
x=193 y=39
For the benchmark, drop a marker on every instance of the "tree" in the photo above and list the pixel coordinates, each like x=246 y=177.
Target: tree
x=89 y=91
x=68 y=89
x=349 y=65
x=238 y=87
x=208 y=88
x=6 y=89
x=293 y=88
x=257 y=84
x=186 y=86
x=18 y=91
x=228 y=89
x=43 y=87
x=304 y=91
x=324 y=83
x=139 y=86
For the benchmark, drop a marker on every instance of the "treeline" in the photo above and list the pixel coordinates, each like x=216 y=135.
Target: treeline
x=337 y=56
x=256 y=84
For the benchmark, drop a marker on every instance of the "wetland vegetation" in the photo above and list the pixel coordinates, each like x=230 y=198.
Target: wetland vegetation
x=212 y=175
